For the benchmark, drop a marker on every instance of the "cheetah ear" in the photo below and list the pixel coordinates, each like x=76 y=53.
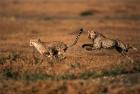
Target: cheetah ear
x=88 y=31
x=96 y=32
x=39 y=40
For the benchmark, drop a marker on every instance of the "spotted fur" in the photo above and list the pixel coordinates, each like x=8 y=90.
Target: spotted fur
x=99 y=41
x=54 y=48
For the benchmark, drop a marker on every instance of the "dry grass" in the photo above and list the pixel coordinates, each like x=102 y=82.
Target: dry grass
x=82 y=72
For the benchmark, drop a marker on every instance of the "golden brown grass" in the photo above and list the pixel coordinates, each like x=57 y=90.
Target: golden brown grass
x=96 y=72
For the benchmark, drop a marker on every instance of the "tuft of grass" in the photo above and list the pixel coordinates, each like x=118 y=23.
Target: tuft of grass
x=120 y=69
x=2 y=60
x=65 y=77
x=35 y=77
x=75 y=65
x=68 y=76
x=36 y=60
x=8 y=73
x=137 y=65
x=13 y=56
x=128 y=66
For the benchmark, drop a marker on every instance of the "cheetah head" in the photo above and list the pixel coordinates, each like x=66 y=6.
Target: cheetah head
x=92 y=34
x=34 y=41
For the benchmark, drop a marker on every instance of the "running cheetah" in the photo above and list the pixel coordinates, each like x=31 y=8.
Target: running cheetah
x=100 y=41
x=54 y=48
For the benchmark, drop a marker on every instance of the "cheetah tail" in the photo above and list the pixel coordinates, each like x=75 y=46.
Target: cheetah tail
x=76 y=39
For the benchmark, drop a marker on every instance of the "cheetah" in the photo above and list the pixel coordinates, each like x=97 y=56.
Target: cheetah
x=54 y=48
x=100 y=41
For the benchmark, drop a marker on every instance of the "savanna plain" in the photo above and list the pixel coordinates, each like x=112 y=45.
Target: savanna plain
x=81 y=72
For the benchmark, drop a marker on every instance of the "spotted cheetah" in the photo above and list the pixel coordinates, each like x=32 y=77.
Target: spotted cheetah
x=100 y=41
x=54 y=48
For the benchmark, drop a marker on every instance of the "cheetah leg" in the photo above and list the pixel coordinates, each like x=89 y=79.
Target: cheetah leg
x=51 y=56
x=96 y=46
x=61 y=54
x=42 y=58
x=129 y=58
x=90 y=47
x=87 y=45
x=36 y=57
x=123 y=53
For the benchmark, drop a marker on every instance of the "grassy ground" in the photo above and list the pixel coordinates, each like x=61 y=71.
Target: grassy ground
x=82 y=72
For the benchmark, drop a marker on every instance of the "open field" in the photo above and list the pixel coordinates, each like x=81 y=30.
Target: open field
x=82 y=72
